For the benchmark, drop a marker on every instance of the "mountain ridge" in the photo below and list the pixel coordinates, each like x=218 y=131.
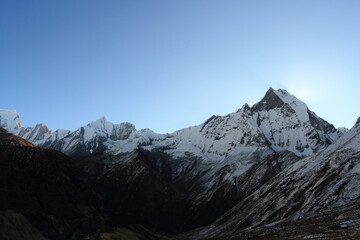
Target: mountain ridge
x=101 y=134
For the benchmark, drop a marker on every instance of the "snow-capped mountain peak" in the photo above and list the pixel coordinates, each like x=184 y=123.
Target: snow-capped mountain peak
x=288 y=124
x=281 y=98
x=10 y=120
x=101 y=127
x=271 y=100
x=278 y=122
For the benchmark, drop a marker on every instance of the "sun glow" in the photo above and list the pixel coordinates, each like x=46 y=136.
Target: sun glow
x=307 y=87
x=303 y=91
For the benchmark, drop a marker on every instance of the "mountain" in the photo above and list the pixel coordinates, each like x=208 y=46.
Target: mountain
x=206 y=163
x=340 y=223
x=273 y=166
x=10 y=120
x=311 y=186
x=134 y=192
x=279 y=122
x=14 y=226
x=44 y=191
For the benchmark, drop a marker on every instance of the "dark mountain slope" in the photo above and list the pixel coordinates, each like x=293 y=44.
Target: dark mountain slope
x=14 y=226
x=342 y=223
x=137 y=189
x=310 y=186
x=48 y=188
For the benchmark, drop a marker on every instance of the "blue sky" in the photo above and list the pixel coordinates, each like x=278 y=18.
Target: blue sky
x=166 y=65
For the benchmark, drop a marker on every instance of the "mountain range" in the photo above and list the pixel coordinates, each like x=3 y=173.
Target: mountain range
x=273 y=162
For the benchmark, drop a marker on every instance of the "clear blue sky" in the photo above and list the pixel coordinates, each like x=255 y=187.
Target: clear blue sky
x=166 y=64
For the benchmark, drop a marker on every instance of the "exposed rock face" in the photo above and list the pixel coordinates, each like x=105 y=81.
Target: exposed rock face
x=270 y=101
x=48 y=188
